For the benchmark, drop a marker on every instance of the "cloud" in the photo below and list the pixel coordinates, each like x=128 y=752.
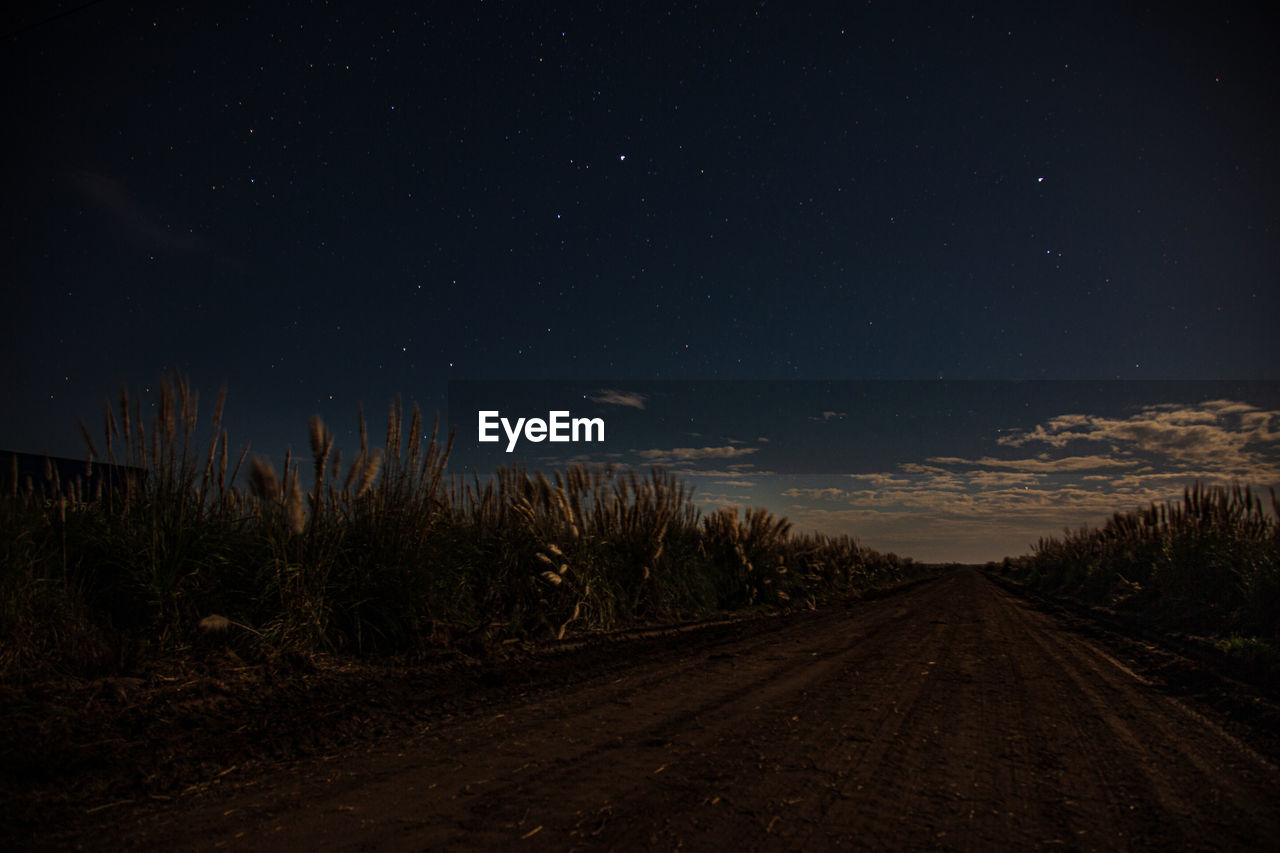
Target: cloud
x=690 y=454
x=590 y=459
x=992 y=479
x=1040 y=464
x=917 y=468
x=720 y=499
x=1216 y=435
x=612 y=397
x=1160 y=480
x=829 y=416
x=741 y=469
x=828 y=494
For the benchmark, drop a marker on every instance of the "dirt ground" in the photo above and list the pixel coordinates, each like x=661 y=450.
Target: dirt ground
x=950 y=715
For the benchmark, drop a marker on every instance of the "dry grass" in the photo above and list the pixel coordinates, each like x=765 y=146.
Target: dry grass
x=1210 y=562
x=389 y=555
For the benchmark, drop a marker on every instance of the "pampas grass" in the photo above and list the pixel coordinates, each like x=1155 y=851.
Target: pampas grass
x=389 y=555
x=1210 y=561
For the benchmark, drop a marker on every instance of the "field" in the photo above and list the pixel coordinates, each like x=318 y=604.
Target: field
x=1207 y=566
x=193 y=542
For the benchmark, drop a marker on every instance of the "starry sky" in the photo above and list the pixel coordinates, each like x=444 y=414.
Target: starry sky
x=328 y=204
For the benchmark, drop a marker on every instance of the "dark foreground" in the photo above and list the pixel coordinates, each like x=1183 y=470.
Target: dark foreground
x=951 y=715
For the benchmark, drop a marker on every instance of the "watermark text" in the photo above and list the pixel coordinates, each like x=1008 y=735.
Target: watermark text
x=559 y=426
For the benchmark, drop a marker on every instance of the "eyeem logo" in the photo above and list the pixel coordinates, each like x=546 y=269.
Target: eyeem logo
x=558 y=427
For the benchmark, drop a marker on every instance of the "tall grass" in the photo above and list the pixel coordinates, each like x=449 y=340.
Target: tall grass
x=386 y=553
x=1211 y=560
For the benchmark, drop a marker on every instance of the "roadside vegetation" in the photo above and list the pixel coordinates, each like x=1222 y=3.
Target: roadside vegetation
x=1208 y=564
x=192 y=542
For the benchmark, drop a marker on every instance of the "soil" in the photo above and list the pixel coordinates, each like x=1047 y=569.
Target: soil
x=954 y=714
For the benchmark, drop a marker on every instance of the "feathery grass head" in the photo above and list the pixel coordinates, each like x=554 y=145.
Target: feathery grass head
x=293 y=513
x=369 y=473
x=263 y=482
x=321 y=441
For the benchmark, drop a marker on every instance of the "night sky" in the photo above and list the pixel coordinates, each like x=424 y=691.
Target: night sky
x=328 y=204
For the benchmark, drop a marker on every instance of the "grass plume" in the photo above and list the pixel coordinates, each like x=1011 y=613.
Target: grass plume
x=391 y=555
x=1207 y=562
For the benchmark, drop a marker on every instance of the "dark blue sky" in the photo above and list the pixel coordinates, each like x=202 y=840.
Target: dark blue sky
x=329 y=204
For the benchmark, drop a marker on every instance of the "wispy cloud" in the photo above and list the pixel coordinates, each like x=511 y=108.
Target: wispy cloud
x=827 y=494
x=731 y=471
x=689 y=454
x=1040 y=463
x=723 y=499
x=612 y=397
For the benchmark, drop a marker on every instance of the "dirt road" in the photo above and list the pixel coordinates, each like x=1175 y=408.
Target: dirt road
x=948 y=716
